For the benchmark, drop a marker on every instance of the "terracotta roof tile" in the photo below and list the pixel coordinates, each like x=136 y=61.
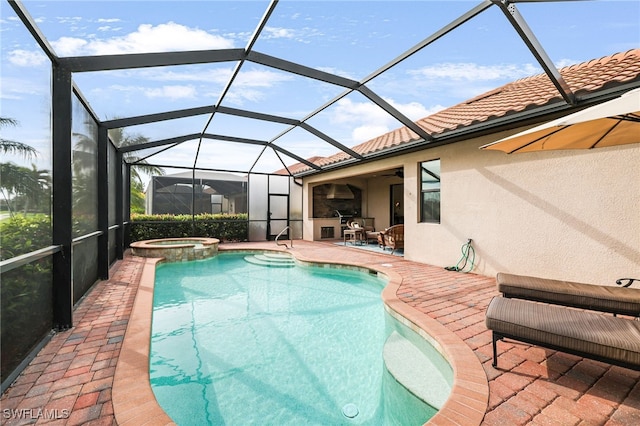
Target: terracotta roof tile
x=521 y=95
x=298 y=167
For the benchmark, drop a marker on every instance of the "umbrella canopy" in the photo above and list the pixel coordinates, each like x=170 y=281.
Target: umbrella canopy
x=615 y=122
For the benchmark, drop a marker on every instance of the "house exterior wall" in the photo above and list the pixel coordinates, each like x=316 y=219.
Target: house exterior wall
x=378 y=201
x=570 y=215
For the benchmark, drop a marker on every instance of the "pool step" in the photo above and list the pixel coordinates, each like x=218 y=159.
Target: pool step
x=414 y=370
x=271 y=259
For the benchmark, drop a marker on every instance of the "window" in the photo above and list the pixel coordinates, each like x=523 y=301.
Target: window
x=430 y=191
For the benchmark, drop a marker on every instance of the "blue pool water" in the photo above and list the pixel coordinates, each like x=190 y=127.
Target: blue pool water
x=236 y=343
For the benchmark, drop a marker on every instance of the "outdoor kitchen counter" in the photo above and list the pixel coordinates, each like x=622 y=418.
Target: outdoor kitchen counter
x=331 y=227
x=326 y=228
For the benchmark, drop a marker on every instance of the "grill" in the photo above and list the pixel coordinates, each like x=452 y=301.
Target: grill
x=344 y=218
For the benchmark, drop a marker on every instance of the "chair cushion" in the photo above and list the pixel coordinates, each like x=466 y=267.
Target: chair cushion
x=600 y=335
x=612 y=299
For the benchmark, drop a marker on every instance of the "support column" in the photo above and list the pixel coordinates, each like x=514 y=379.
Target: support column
x=103 y=203
x=126 y=200
x=62 y=199
x=119 y=206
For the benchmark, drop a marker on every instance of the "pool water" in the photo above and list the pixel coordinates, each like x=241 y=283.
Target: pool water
x=236 y=343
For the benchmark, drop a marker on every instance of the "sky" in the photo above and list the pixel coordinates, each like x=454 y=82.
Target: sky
x=352 y=39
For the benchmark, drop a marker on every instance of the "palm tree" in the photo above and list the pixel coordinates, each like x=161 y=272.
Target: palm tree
x=84 y=176
x=84 y=183
x=37 y=189
x=15 y=180
x=137 y=199
x=26 y=185
x=11 y=176
x=120 y=138
x=13 y=147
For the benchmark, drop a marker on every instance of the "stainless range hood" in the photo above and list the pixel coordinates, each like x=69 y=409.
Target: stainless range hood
x=339 y=192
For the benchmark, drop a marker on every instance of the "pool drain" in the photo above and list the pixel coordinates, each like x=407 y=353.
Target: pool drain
x=350 y=411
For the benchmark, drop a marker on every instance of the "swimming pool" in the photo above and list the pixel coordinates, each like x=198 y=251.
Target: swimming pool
x=239 y=343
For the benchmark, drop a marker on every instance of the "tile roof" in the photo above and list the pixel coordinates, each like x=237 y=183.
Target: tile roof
x=518 y=96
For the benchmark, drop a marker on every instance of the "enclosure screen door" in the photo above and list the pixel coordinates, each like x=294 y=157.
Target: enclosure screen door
x=278 y=216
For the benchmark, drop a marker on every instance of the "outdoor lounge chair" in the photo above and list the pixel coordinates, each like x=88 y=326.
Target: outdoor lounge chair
x=589 y=334
x=612 y=299
x=392 y=237
x=568 y=316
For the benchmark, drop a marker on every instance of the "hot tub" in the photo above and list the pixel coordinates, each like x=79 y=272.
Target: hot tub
x=177 y=249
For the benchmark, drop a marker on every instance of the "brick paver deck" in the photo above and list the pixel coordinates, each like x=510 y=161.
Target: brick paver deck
x=70 y=381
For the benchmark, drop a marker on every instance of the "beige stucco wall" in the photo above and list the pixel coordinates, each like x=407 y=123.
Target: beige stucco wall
x=572 y=215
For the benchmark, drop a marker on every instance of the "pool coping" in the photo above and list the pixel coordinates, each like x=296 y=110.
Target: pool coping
x=177 y=249
x=134 y=402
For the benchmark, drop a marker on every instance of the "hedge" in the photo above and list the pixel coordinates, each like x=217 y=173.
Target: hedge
x=225 y=227
x=23 y=234
x=26 y=310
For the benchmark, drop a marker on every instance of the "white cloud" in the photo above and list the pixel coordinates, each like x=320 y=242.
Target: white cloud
x=446 y=84
x=250 y=85
x=338 y=72
x=106 y=28
x=246 y=78
x=18 y=88
x=347 y=111
x=261 y=78
x=415 y=110
x=147 y=38
x=365 y=133
x=216 y=76
x=74 y=20
x=302 y=35
x=242 y=36
x=131 y=93
x=238 y=97
x=475 y=72
x=277 y=32
x=25 y=58
x=171 y=92
x=69 y=46
x=371 y=121
x=565 y=63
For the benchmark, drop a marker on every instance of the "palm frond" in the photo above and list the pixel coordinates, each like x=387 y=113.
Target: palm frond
x=13 y=147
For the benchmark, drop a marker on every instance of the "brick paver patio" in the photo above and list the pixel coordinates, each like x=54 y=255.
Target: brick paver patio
x=69 y=382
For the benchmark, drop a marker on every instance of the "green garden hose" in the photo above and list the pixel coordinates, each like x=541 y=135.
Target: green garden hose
x=468 y=256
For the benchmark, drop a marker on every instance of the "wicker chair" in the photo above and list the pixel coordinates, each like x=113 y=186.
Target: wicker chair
x=354 y=233
x=392 y=237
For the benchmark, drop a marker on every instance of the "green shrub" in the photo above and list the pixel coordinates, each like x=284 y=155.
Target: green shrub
x=25 y=294
x=225 y=227
x=23 y=234
x=26 y=311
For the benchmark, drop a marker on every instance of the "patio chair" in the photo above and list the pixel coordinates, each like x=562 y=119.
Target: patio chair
x=392 y=237
x=370 y=234
x=354 y=233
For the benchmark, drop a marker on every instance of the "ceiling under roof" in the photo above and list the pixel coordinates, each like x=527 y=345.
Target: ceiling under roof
x=226 y=135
